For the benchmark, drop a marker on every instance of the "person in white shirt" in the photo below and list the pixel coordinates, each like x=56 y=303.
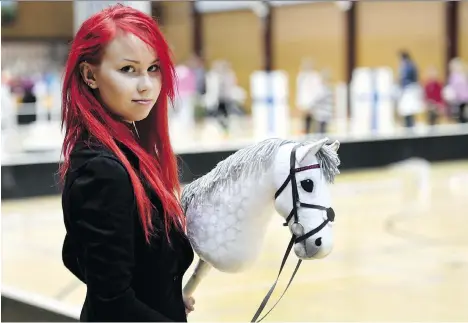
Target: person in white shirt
x=307 y=92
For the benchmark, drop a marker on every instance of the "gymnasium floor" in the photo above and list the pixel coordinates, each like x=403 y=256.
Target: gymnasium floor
x=401 y=254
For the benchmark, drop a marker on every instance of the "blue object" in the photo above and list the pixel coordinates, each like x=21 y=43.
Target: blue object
x=374 y=105
x=270 y=103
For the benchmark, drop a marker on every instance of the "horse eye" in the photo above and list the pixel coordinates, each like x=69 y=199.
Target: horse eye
x=307 y=185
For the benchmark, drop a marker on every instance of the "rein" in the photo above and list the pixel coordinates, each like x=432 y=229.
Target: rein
x=295 y=237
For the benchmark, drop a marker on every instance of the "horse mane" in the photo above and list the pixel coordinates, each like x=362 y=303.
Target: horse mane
x=250 y=162
x=329 y=162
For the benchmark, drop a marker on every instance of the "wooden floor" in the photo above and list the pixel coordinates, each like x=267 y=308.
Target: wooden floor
x=401 y=254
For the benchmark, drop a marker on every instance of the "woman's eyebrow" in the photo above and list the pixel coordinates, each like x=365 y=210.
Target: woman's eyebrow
x=138 y=62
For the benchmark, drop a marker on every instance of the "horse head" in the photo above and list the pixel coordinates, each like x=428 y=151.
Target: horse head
x=302 y=174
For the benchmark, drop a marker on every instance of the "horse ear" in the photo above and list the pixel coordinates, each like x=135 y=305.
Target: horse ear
x=311 y=148
x=335 y=145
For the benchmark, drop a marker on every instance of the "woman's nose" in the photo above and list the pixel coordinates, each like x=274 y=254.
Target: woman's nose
x=144 y=83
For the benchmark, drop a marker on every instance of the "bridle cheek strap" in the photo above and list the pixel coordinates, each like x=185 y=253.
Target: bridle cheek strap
x=294 y=239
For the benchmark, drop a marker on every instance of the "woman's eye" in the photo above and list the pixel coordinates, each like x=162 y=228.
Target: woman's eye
x=307 y=185
x=154 y=68
x=127 y=69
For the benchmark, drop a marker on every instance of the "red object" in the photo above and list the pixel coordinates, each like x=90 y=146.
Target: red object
x=433 y=92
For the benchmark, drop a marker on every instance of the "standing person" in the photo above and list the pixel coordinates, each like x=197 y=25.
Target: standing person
x=221 y=84
x=196 y=65
x=323 y=107
x=433 y=96
x=410 y=101
x=185 y=102
x=125 y=230
x=458 y=82
x=308 y=85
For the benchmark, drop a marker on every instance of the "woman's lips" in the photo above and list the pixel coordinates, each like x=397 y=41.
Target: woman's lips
x=143 y=102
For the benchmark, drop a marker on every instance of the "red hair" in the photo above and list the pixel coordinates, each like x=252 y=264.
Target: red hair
x=82 y=112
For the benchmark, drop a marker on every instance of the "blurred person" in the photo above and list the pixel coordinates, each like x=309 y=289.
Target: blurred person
x=323 y=107
x=433 y=96
x=308 y=89
x=410 y=99
x=222 y=83
x=186 y=96
x=458 y=83
x=28 y=94
x=125 y=229
x=197 y=67
x=8 y=104
x=195 y=63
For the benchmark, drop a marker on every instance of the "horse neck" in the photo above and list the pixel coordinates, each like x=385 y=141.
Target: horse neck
x=259 y=204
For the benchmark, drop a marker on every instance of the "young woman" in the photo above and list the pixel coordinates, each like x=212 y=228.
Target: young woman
x=125 y=228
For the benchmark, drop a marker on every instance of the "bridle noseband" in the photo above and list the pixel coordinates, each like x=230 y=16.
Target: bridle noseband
x=298 y=234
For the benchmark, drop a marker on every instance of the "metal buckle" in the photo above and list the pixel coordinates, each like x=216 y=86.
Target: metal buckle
x=297 y=229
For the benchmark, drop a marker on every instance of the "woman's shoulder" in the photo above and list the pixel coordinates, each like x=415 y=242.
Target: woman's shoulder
x=90 y=159
x=94 y=175
x=86 y=152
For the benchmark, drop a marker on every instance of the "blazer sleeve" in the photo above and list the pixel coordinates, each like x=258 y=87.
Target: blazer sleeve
x=103 y=206
x=70 y=260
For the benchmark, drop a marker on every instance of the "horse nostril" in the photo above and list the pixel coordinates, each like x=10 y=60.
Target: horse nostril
x=318 y=242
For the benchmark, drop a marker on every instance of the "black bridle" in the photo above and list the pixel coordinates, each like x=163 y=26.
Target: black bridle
x=297 y=229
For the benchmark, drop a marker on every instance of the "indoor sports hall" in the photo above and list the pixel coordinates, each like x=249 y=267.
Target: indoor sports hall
x=298 y=70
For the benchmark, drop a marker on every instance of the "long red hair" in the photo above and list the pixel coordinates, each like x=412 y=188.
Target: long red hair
x=81 y=112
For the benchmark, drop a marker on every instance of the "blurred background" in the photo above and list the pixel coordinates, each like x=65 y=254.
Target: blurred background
x=388 y=79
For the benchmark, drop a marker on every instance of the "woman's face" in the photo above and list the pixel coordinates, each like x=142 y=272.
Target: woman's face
x=128 y=80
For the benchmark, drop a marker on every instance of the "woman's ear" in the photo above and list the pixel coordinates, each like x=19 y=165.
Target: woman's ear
x=87 y=74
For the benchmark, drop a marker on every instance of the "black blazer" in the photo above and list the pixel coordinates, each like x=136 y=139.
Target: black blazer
x=127 y=279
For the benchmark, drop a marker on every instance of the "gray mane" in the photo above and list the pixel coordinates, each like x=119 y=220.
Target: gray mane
x=329 y=162
x=249 y=162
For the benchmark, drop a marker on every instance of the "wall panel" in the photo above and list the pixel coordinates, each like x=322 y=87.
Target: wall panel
x=386 y=27
x=176 y=24
x=313 y=30
x=41 y=19
x=234 y=36
x=463 y=30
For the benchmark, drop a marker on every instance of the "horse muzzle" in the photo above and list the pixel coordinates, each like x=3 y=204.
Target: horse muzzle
x=316 y=243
